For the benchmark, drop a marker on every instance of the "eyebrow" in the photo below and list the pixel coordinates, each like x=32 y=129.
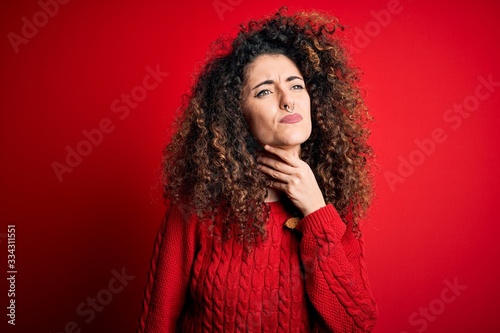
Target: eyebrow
x=290 y=78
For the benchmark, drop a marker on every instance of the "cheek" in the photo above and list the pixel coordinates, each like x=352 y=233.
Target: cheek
x=257 y=125
x=251 y=120
x=261 y=126
x=256 y=117
x=308 y=108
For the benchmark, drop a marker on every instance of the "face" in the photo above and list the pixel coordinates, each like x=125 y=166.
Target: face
x=275 y=102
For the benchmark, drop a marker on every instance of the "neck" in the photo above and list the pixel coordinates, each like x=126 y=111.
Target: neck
x=293 y=150
x=272 y=194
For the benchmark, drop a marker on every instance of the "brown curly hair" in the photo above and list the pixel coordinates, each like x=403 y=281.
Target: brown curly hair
x=210 y=163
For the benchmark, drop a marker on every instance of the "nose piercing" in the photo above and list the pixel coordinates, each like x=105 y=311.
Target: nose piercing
x=288 y=108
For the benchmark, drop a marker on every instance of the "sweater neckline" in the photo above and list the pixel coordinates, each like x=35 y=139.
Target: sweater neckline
x=276 y=207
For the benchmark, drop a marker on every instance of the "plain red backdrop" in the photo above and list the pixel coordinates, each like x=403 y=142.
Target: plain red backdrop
x=434 y=226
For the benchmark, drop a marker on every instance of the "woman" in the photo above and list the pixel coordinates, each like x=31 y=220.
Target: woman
x=266 y=179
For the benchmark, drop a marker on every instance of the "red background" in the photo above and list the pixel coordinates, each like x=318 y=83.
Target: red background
x=440 y=224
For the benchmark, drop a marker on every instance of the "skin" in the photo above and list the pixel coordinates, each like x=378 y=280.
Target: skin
x=273 y=82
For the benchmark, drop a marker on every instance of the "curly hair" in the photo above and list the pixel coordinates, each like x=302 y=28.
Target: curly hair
x=210 y=163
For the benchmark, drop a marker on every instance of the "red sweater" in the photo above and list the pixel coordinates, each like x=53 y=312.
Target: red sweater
x=310 y=279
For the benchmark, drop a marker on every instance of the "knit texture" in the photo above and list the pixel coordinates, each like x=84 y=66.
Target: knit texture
x=310 y=279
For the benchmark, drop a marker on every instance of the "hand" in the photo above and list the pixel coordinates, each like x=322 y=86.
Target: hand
x=294 y=177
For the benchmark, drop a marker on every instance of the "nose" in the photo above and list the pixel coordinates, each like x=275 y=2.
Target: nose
x=287 y=104
x=289 y=107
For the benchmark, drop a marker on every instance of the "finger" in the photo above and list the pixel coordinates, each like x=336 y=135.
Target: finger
x=277 y=175
x=277 y=185
x=284 y=155
x=275 y=164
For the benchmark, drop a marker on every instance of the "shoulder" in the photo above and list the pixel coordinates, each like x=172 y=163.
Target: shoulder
x=179 y=218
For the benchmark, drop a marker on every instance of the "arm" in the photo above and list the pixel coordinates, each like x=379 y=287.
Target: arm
x=332 y=256
x=335 y=274
x=169 y=273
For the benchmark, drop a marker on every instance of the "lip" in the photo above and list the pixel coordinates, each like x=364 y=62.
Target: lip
x=291 y=119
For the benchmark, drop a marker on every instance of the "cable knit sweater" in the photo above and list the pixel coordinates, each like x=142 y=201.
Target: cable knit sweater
x=309 y=279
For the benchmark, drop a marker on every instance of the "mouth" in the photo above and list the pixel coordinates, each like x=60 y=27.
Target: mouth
x=291 y=119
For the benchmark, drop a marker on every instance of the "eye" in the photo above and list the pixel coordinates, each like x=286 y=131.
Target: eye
x=263 y=93
x=297 y=87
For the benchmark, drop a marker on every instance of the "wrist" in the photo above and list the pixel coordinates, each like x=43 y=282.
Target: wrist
x=313 y=208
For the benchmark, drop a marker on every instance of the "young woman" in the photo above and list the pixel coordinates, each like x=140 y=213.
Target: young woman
x=266 y=180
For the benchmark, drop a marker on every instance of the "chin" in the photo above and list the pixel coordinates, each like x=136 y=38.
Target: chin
x=298 y=138
x=290 y=142
x=289 y=138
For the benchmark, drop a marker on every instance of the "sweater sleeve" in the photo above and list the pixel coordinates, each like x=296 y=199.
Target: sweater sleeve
x=335 y=273
x=169 y=273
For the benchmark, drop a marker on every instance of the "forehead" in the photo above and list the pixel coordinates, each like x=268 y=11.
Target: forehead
x=270 y=65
